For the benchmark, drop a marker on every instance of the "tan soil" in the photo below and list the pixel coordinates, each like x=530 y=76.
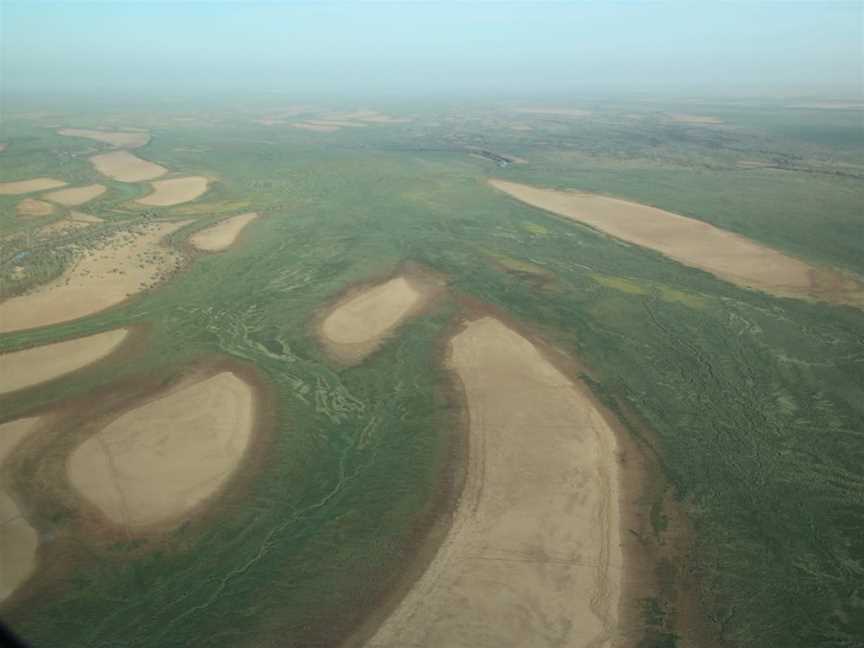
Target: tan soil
x=316 y=127
x=75 y=196
x=174 y=191
x=335 y=122
x=115 y=138
x=684 y=118
x=357 y=325
x=125 y=167
x=695 y=243
x=29 y=186
x=533 y=556
x=3 y=146
x=18 y=540
x=33 y=207
x=85 y=218
x=158 y=462
x=30 y=367
x=122 y=266
x=222 y=235
x=373 y=117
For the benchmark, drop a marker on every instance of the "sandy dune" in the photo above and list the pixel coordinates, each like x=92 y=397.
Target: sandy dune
x=356 y=326
x=29 y=186
x=694 y=243
x=174 y=191
x=115 y=138
x=125 y=167
x=75 y=196
x=221 y=235
x=33 y=207
x=159 y=461
x=18 y=540
x=124 y=265
x=533 y=556
x=33 y=366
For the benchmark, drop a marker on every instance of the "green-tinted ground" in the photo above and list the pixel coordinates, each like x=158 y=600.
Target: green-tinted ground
x=756 y=402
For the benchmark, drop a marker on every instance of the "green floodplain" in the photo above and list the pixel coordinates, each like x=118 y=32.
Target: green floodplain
x=753 y=405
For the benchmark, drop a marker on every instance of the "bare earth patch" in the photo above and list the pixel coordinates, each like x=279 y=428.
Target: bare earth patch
x=29 y=186
x=33 y=207
x=174 y=191
x=85 y=218
x=336 y=122
x=546 y=110
x=18 y=540
x=158 y=462
x=533 y=556
x=125 y=167
x=695 y=243
x=115 y=138
x=222 y=235
x=683 y=118
x=30 y=367
x=75 y=196
x=122 y=266
x=358 y=324
x=316 y=127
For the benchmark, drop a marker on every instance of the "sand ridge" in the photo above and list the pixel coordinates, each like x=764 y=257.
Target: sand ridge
x=157 y=463
x=125 y=264
x=117 y=139
x=29 y=186
x=533 y=556
x=74 y=196
x=222 y=235
x=174 y=191
x=695 y=243
x=356 y=325
x=126 y=167
x=29 y=367
x=18 y=540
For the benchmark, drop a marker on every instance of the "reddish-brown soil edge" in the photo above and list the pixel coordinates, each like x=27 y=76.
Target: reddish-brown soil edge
x=39 y=480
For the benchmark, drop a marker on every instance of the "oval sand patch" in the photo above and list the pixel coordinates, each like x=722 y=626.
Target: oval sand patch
x=221 y=235
x=174 y=191
x=533 y=554
x=125 y=167
x=18 y=540
x=29 y=186
x=75 y=196
x=159 y=461
x=21 y=369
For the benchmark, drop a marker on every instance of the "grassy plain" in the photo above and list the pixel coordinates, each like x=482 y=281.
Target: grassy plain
x=753 y=404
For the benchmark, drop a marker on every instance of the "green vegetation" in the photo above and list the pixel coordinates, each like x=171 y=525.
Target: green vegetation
x=756 y=402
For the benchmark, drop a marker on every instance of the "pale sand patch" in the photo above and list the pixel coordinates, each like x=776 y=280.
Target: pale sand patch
x=115 y=138
x=316 y=127
x=533 y=556
x=545 y=110
x=684 y=118
x=356 y=326
x=695 y=243
x=221 y=235
x=373 y=117
x=336 y=122
x=75 y=196
x=124 y=265
x=85 y=218
x=159 y=461
x=33 y=207
x=18 y=540
x=29 y=186
x=126 y=167
x=29 y=367
x=3 y=146
x=174 y=191
x=830 y=105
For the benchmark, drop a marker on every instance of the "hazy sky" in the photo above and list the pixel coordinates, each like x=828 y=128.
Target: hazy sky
x=427 y=48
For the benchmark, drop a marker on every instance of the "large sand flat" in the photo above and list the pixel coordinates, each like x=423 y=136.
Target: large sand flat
x=29 y=186
x=18 y=540
x=356 y=326
x=159 y=461
x=123 y=265
x=33 y=366
x=75 y=196
x=533 y=557
x=174 y=191
x=125 y=167
x=222 y=235
x=119 y=139
x=694 y=243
